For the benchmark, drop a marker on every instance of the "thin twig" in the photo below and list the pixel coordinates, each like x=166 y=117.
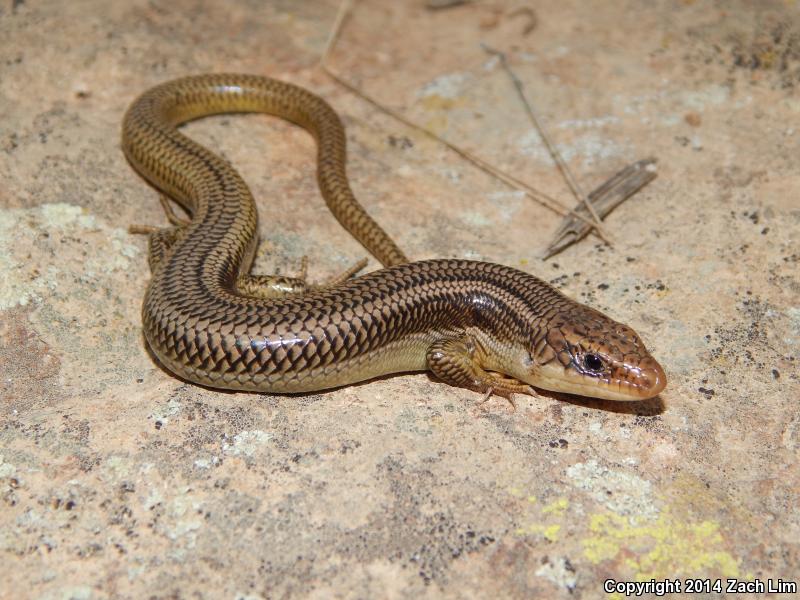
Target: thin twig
x=562 y=166
x=341 y=15
x=440 y=4
x=510 y=180
x=603 y=199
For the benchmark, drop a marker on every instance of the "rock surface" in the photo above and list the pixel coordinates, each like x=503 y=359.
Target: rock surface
x=117 y=480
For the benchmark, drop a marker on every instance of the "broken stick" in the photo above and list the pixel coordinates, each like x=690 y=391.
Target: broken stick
x=603 y=200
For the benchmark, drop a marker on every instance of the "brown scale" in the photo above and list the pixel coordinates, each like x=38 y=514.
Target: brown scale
x=208 y=320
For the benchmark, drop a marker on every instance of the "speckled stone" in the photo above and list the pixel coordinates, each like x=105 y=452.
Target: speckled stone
x=119 y=481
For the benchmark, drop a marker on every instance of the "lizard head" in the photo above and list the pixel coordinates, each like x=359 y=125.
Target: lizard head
x=589 y=354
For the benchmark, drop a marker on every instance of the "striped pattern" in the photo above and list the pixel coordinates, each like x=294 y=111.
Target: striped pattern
x=202 y=327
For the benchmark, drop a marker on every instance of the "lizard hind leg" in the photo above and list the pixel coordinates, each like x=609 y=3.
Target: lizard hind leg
x=159 y=242
x=161 y=239
x=270 y=286
x=171 y=216
x=275 y=286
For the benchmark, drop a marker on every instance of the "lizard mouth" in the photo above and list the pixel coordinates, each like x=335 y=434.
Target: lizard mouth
x=624 y=383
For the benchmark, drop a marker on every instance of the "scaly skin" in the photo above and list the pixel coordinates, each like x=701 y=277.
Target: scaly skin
x=479 y=325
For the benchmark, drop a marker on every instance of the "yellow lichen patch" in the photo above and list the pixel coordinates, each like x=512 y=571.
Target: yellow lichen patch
x=436 y=102
x=767 y=59
x=437 y=124
x=551 y=532
x=666 y=547
x=557 y=507
x=515 y=491
x=542 y=519
x=548 y=532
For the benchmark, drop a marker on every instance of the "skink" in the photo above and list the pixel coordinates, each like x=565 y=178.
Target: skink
x=479 y=325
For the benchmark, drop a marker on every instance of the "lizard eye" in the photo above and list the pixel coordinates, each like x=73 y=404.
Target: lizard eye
x=592 y=362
